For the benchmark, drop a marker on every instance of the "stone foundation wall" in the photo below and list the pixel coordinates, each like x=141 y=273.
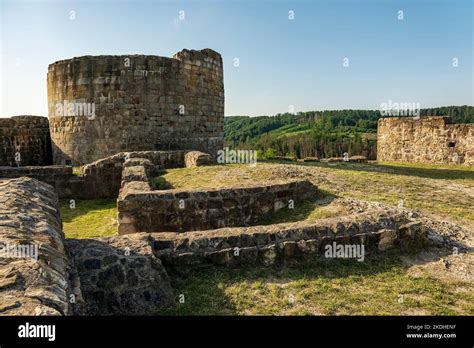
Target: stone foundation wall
x=180 y=210
x=426 y=139
x=26 y=137
x=29 y=218
x=42 y=173
x=140 y=103
x=288 y=242
x=104 y=176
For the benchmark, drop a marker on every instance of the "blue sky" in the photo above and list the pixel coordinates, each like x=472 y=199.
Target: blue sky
x=282 y=62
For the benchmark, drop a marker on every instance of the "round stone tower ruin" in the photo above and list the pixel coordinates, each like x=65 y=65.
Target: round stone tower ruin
x=101 y=105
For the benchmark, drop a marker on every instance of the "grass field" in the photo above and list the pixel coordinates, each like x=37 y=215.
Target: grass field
x=89 y=218
x=395 y=284
x=339 y=287
x=447 y=191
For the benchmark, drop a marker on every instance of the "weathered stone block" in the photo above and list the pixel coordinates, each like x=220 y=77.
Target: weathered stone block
x=197 y=158
x=387 y=239
x=268 y=255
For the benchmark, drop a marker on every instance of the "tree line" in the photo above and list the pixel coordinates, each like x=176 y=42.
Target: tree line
x=319 y=133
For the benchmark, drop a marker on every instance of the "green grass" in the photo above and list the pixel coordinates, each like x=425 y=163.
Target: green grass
x=89 y=218
x=307 y=210
x=422 y=170
x=445 y=190
x=337 y=287
x=77 y=171
x=160 y=183
x=218 y=176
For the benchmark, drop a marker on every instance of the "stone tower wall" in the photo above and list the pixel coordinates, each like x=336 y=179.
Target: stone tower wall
x=141 y=103
x=27 y=136
x=430 y=139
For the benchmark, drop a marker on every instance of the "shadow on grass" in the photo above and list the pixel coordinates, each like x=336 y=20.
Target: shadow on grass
x=430 y=173
x=402 y=169
x=160 y=183
x=71 y=210
x=301 y=210
x=326 y=283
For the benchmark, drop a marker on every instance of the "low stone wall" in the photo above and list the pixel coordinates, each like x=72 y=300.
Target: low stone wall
x=41 y=273
x=26 y=137
x=182 y=210
x=377 y=231
x=30 y=225
x=42 y=173
x=65 y=183
x=120 y=276
x=104 y=176
x=137 y=175
x=310 y=159
x=101 y=179
x=282 y=158
x=355 y=159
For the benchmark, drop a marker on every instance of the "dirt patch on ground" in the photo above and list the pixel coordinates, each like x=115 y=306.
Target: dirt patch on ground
x=438 y=263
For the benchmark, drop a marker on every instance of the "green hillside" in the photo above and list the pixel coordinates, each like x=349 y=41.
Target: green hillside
x=319 y=133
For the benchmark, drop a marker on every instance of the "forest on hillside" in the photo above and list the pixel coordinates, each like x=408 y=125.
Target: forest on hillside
x=319 y=133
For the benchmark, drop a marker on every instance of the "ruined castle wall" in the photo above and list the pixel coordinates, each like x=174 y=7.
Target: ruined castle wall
x=26 y=136
x=135 y=103
x=426 y=139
